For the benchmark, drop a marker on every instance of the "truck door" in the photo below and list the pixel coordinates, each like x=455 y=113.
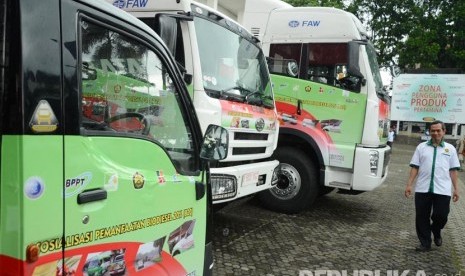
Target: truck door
x=131 y=168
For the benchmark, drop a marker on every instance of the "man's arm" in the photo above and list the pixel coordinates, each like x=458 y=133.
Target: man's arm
x=411 y=178
x=453 y=177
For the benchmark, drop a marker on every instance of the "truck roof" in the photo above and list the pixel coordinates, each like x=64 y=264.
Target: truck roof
x=313 y=24
x=210 y=9
x=115 y=12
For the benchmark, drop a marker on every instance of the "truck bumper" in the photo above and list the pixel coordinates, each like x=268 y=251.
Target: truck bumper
x=230 y=183
x=369 y=172
x=370 y=168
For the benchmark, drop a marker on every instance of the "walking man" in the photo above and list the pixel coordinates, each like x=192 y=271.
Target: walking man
x=435 y=162
x=391 y=136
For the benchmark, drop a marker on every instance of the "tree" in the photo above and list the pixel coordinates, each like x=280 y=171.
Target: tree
x=437 y=39
x=389 y=23
x=316 y=3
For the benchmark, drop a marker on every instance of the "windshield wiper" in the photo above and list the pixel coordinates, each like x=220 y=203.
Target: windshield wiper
x=226 y=94
x=261 y=100
x=246 y=95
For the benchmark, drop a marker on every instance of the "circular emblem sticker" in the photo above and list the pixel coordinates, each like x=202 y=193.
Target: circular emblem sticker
x=260 y=124
x=138 y=180
x=293 y=23
x=34 y=187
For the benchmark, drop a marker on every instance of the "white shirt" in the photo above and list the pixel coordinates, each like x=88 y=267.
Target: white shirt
x=434 y=164
x=391 y=136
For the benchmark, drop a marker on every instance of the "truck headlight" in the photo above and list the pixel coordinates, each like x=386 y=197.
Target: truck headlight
x=223 y=186
x=374 y=160
x=275 y=178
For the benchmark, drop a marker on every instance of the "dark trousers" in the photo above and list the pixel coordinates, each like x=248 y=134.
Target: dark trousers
x=430 y=207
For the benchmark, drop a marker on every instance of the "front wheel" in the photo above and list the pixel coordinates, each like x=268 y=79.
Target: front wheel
x=297 y=186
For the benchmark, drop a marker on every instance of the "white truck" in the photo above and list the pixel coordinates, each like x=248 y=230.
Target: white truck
x=333 y=110
x=229 y=82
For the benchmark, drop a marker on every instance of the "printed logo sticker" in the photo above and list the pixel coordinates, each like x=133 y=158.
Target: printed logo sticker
x=111 y=182
x=161 y=177
x=293 y=23
x=245 y=123
x=138 y=180
x=59 y=267
x=260 y=124
x=182 y=238
x=77 y=184
x=43 y=119
x=149 y=254
x=273 y=125
x=235 y=122
x=34 y=187
x=106 y=262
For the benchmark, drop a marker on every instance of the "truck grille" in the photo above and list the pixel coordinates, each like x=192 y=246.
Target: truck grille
x=250 y=136
x=241 y=151
x=247 y=145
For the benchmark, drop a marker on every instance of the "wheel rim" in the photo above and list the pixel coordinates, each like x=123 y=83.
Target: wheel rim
x=289 y=183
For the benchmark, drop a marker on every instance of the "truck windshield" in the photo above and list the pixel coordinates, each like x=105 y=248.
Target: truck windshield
x=233 y=67
x=371 y=52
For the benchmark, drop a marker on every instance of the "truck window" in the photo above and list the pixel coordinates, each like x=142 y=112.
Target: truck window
x=326 y=62
x=127 y=91
x=281 y=52
x=232 y=64
x=322 y=62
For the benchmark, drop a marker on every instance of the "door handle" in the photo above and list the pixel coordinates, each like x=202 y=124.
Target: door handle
x=91 y=195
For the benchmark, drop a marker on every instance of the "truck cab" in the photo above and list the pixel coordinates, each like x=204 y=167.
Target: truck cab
x=102 y=155
x=333 y=110
x=229 y=83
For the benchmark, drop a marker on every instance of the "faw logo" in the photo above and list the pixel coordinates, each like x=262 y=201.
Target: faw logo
x=122 y=4
x=293 y=23
x=304 y=23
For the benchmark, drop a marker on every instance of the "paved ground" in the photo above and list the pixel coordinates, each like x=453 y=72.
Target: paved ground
x=372 y=231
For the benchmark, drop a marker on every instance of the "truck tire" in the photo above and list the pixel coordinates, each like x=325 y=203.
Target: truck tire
x=297 y=186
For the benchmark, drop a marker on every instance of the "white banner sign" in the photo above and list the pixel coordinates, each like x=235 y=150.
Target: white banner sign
x=428 y=97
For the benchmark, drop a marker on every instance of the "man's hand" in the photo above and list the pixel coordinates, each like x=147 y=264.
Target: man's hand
x=413 y=174
x=455 y=196
x=408 y=191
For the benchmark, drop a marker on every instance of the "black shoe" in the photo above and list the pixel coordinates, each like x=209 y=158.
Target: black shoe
x=422 y=248
x=438 y=241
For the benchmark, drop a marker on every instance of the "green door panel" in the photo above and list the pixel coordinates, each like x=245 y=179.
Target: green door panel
x=340 y=113
x=31 y=193
x=147 y=202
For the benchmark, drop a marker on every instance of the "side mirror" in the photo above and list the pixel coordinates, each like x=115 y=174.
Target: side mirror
x=353 y=68
x=215 y=143
x=187 y=78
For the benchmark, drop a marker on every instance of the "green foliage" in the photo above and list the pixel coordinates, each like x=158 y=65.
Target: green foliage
x=316 y=3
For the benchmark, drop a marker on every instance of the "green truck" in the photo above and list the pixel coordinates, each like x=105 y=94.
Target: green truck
x=102 y=154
